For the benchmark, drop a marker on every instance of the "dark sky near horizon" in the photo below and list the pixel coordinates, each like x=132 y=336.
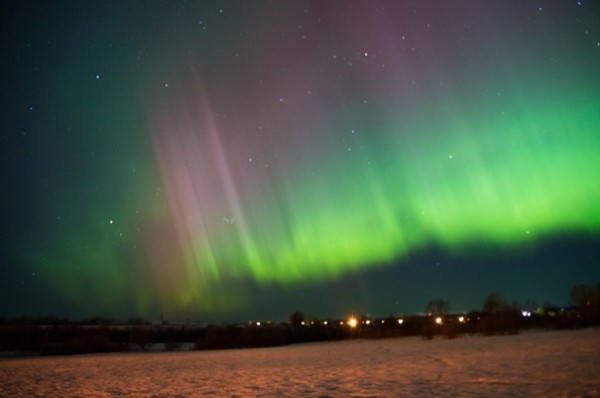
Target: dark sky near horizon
x=234 y=160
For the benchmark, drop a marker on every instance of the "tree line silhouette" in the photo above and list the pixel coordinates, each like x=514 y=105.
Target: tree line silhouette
x=53 y=335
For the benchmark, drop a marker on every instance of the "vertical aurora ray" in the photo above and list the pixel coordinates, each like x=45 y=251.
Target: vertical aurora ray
x=329 y=141
x=512 y=182
x=341 y=184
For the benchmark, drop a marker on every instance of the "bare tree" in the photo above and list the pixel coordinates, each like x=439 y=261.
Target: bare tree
x=437 y=307
x=494 y=304
x=297 y=318
x=586 y=296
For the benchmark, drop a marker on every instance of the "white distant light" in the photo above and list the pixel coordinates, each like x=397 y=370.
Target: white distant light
x=324 y=322
x=400 y=321
x=438 y=320
x=257 y=323
x=461 y=319
x=368 y=322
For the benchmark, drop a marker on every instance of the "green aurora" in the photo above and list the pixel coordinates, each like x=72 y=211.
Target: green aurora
x=203 y=182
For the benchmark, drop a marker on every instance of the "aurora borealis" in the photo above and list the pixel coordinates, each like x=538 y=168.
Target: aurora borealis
x=221 y=160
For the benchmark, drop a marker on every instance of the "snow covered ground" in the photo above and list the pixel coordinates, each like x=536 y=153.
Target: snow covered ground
x=542 y=364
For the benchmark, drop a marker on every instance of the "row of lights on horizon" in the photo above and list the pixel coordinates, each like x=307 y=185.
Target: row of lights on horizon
x=354 y=322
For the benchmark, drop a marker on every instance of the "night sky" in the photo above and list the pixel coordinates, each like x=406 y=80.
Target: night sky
x=235 y=160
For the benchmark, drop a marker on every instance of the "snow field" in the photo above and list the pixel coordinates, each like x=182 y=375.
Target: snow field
x=541 y=364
